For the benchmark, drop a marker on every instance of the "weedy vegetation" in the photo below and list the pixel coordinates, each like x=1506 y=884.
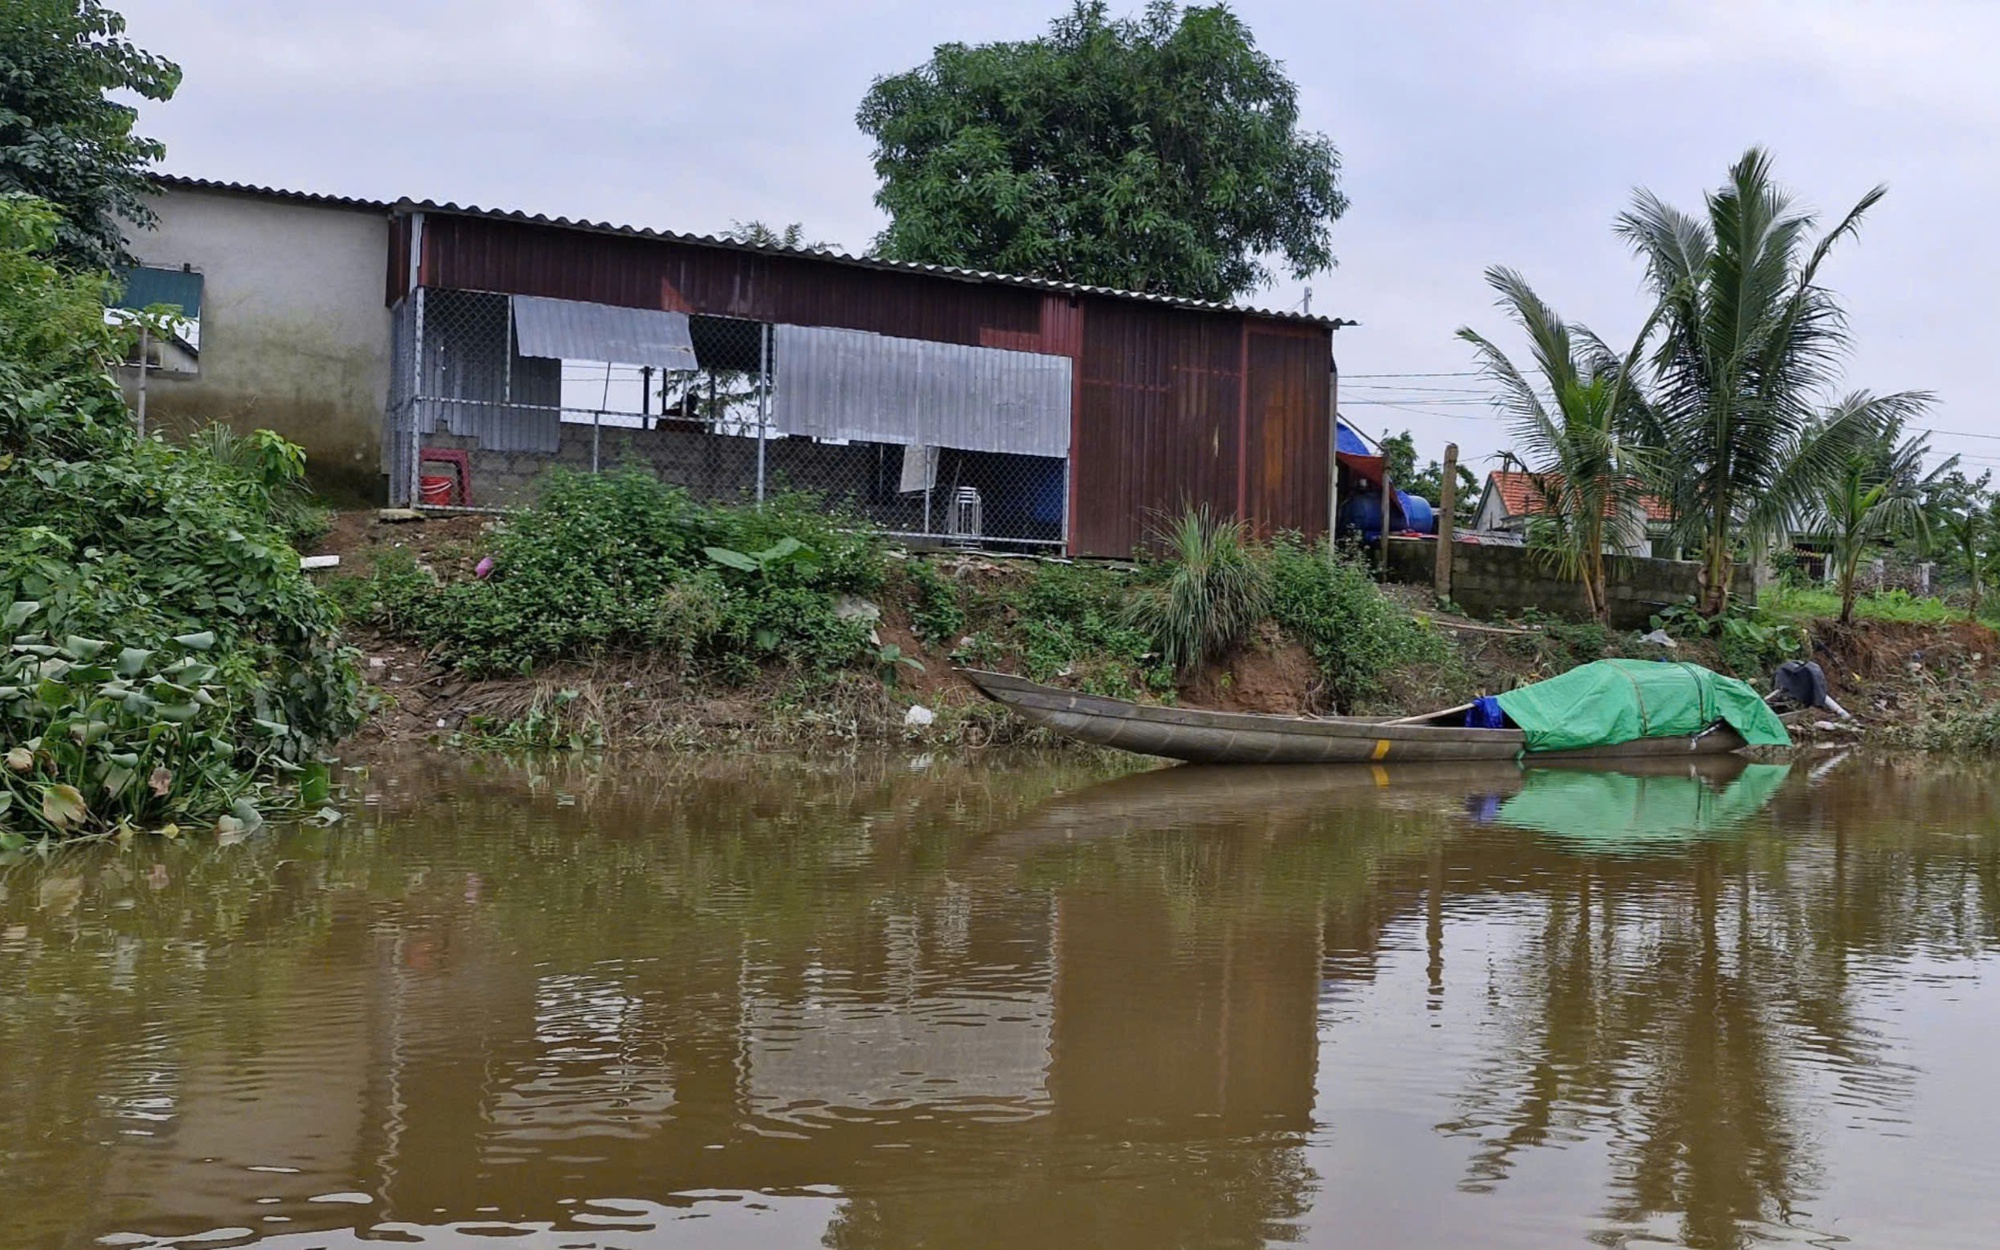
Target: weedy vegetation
x=620 y=563
x=1358 y=636
x=167 y=661
x=1215 y=590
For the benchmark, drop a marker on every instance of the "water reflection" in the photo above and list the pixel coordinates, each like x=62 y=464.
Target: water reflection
x=1635 y=812
x=860 y=1005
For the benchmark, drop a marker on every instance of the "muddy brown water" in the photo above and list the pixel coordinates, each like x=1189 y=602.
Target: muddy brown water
x=885 y=1002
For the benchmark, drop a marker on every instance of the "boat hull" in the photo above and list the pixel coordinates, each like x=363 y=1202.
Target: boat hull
x=1203 y=736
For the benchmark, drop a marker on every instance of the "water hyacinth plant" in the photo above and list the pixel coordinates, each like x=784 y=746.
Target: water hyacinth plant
x=102 y=737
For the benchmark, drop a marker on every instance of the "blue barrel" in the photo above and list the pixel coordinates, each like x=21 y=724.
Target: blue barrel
x=1362 y=513
x=1417 y=515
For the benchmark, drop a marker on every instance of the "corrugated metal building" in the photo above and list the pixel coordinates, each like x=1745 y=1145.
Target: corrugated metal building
x=1176 y=401
x=1173 y=401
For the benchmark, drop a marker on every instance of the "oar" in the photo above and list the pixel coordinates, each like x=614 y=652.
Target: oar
x=1411 y=720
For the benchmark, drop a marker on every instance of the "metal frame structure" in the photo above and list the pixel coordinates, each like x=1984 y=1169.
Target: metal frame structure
x=460 y=382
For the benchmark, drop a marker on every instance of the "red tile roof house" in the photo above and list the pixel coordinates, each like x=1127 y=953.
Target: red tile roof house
x=1512 y=499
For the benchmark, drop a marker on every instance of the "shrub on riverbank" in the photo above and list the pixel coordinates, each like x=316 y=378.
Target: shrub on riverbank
x=622 y=566
x=620 y=563
x=1357 y=635
x=1067 y=623
x=166 y=653
x=1215 y=589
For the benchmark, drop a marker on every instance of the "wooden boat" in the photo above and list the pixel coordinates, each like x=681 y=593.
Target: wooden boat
x=1203 y=736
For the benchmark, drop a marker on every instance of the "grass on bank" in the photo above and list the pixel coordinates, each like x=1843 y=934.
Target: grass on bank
x=620 y=565
x=1805 y=604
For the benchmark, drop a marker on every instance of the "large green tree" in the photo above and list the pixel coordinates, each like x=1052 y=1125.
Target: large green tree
x=1750 y=346
x=1160 y=152
x=62 y=138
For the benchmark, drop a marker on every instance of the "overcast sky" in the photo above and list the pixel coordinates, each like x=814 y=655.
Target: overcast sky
x=1472 y=134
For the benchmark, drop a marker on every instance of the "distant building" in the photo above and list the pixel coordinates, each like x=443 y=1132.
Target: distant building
x=1513 y=498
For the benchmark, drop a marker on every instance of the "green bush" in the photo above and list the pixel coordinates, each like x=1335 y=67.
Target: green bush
x=1356 y=634
x=271 y=475
x=1557 y=644
x=936 y=614
x=621 y=563
x=1966 y=732
x=1749 y=641
x=1214 y=592
x=135 y=543
x=1071 y=617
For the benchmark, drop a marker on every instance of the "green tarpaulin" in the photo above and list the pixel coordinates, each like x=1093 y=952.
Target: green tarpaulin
x=1618 y=811
x=1613 y=701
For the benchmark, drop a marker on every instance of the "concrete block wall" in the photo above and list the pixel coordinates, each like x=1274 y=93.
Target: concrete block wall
x=709 y=466
x=1492 y=581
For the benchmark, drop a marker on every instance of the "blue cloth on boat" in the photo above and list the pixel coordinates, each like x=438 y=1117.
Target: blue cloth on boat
x=1485 y=713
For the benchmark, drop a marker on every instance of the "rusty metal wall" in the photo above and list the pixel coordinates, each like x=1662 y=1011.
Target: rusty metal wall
x=1157 y=429
x=1172 y=405
x=1286 y=423
x=479 y=254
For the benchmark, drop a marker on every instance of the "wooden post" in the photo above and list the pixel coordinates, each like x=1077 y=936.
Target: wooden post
x=1447 y=502
x=1388 y=502
x=1333 y=462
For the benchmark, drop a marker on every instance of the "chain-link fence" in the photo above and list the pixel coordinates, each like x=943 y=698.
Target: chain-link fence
x=475 y=423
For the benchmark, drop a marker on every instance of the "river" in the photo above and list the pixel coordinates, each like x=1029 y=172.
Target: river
x=1020 y=1000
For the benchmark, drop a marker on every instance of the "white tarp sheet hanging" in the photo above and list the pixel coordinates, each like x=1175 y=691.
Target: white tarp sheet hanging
x=849 y=384
x=567 y=329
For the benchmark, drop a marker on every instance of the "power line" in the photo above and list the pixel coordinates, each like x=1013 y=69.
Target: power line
x=1467 y=373
x=1422 y=412
x=1955 y=433
x=1426 y=390
x=1418 y=399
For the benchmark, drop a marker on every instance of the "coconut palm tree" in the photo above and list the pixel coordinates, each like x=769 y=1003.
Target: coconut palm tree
x=1878 y=493
x=1572 y=431
x=1965 y=519
x=1751 y=343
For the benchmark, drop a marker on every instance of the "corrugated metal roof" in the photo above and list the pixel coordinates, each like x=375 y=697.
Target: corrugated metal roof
x=644 y=232
x=567 y=329
x=271 y=193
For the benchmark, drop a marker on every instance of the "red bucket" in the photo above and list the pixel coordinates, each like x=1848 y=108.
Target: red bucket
x=436 y=490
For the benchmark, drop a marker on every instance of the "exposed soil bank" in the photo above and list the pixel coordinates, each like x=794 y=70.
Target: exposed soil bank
x=1891 y=676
